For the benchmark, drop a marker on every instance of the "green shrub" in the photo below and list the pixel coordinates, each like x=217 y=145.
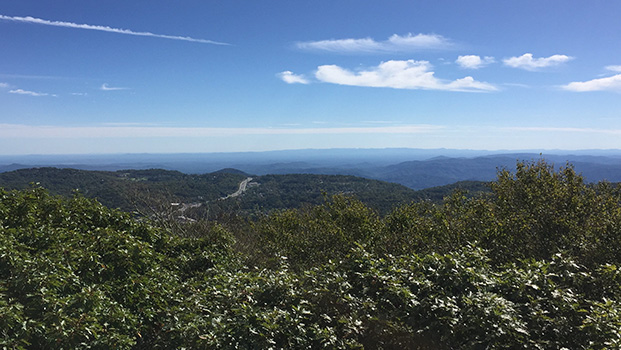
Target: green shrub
x=534 y=265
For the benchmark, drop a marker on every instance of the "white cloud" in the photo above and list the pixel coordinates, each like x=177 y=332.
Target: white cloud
x=25 y=76
x=564 y=129
x=614 y=68
x=30 y=131
x=612 y=83
x=395 y=43
x=290 y=78
x=474 y=61
x=4 y=86
x=527 y=62
x=398 y=75
x=418 y=41
x=30 y=93
x=33 y=20
x=105 y=87
x=517 y=85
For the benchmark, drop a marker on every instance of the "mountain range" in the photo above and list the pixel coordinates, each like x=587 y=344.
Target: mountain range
x=414 y=168
x=221 y=192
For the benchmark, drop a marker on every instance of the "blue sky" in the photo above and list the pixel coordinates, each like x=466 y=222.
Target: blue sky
x=217 y=76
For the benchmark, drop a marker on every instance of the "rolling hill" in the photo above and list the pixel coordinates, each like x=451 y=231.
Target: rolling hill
x=414 y=168
x=208 y=194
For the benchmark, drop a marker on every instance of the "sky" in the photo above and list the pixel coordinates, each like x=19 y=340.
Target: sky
x=154 y=76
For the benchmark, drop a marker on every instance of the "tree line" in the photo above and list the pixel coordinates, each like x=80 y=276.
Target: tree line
x=532 y=264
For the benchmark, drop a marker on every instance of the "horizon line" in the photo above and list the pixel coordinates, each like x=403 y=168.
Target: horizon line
x=501 y=151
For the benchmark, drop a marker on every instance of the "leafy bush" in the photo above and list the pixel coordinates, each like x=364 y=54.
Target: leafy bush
x=75 y=274
x=534 y=213
x=312 y=236
x=533 y=265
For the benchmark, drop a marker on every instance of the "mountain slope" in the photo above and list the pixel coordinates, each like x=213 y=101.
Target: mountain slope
x=209 y=194
x=125 y=188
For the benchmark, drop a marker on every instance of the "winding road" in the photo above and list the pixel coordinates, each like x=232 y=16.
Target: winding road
x=240 y=190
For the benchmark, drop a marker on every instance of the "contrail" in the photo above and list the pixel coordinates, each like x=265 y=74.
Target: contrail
x=104 y=29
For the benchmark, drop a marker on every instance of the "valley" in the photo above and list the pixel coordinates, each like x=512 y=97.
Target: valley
x=414 y=168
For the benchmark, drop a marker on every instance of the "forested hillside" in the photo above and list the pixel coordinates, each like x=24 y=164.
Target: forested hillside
x=296 y=190
x=155 y=189
x=414 y=168
x=126 y=189
x=533 y=264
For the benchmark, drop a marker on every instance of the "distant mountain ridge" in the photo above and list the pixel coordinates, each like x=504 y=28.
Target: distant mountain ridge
x=414 y=168
x=210 y=194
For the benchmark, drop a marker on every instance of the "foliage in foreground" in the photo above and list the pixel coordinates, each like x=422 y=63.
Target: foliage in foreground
x=533 y=266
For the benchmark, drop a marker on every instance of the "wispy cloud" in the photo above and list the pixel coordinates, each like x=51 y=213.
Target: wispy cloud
x=396 y=43
x=612 y=83
x=527 y=62
x=379 y=122
x=105 y=87
x=474 y=61
x=29 y=131
x=79 y=93
x=564 y=130
x=34 y=20
x=23 y=92
x=29 y=93
x=399 y=75
x=290 y=78
x=133 y=124
x=517 y=85
x=614 y=68
x=26 y=76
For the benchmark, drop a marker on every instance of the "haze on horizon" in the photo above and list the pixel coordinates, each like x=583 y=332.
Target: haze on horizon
x=160 y=77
